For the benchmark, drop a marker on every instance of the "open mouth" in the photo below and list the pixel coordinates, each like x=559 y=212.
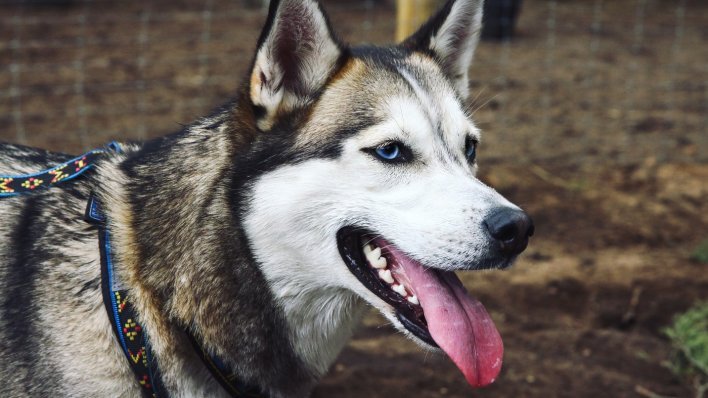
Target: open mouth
x=430 y=303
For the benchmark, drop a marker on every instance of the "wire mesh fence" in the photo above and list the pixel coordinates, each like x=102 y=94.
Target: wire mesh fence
x=582 y=81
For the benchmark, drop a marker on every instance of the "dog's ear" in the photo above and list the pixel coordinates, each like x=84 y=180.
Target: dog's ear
x=297 y=52
x=451 y=37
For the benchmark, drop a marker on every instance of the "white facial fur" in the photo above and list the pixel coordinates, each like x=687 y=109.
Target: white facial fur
x=432 y=209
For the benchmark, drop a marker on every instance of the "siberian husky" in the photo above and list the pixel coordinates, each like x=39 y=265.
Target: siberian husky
x=338 y=178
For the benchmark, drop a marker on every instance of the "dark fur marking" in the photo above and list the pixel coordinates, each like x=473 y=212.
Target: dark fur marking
x=259 y=111
x=452 y=152
x=214 y=125
x=90 y=286
x=384 y=57
x=420 y=40
x=19 y=309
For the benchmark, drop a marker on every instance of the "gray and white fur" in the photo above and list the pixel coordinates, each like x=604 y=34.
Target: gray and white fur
x=227 y=228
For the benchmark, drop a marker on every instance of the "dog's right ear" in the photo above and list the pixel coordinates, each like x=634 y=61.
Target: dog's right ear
x=297 y=53
x=451 y=36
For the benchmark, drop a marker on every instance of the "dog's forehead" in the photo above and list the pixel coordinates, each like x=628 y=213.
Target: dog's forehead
x=410 y=91
x=432 y=97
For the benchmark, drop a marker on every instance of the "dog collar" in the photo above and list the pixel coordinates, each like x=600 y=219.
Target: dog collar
x=129 y=332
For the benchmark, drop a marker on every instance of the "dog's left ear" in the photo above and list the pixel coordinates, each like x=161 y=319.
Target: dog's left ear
x=451 y=37
x=297 y=53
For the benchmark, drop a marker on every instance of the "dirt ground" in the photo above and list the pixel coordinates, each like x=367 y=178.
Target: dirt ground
x=595 y=120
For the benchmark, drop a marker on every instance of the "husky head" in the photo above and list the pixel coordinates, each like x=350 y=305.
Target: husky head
x=364 y=185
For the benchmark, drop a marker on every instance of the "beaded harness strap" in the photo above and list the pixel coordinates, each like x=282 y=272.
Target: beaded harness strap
x=16 y=185
x=124 y=318
x=131 y=335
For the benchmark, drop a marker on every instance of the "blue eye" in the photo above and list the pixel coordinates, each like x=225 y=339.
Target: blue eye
x=471 y=150
x=389 y=151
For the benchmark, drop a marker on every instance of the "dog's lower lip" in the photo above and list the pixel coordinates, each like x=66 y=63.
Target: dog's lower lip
x=410 y=315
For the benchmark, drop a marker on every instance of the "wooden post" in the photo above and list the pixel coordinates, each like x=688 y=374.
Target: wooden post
x=410 y=14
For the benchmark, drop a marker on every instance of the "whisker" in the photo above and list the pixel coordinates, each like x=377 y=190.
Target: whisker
x=472 y=103
x=484 y=104
x=373 y=238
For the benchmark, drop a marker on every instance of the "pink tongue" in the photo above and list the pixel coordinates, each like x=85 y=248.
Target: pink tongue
x=456 y=321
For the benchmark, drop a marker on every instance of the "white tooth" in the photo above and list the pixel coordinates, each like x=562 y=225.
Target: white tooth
x=386 y=275
x=379 y=263
x=367 y=249
x=399 y=289
x=413 y=300
x=374 y=254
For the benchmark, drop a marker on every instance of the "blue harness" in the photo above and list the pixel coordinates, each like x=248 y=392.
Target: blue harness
x=131 y=335
x=16 y=185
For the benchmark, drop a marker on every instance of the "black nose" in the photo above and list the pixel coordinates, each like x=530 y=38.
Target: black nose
x=511 y=228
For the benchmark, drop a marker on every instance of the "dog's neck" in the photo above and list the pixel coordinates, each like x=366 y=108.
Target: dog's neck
x=320 y=320
x=180 y=247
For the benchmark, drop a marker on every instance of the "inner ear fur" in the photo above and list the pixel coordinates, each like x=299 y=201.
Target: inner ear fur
x=297 y=53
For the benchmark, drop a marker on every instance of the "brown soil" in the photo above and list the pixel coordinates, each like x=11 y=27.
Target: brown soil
x=596 y=126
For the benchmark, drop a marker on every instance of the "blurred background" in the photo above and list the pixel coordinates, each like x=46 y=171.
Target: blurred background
x=595 y=120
